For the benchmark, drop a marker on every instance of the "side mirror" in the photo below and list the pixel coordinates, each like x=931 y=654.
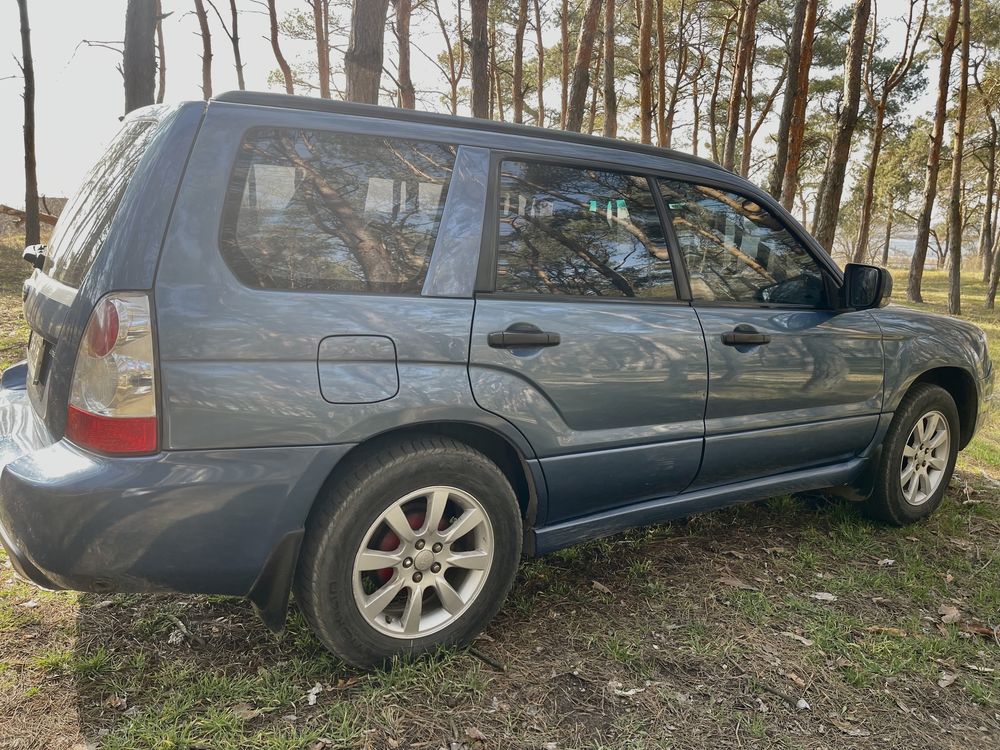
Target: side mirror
x=35 y=255
x=865 y=287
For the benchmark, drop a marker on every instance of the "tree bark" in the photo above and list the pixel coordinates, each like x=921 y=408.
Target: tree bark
x=788 y=101
x=670 y=109
x=986 y=228
x=32 y=230
x=610 y=95
x=713 y=101
x=797 y=124
x=139 y=61
x=540 y=52
x=564 y=63
x=286 y=71
x=232 y=31
x=363 y=59
x=581 y=66
x=321 y=15
x=748 y=133
x=955 y=219
x=828 y=209
x=744 y=43
x=661 y=74
x=161 y=56
x=479 y=54
x=206 y=49
x=407 y=93
x=888 y=233
x=645 y=71
x=520 y=27
x=933 y=157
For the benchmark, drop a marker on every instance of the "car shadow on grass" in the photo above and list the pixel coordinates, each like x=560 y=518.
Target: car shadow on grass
x=716 y=631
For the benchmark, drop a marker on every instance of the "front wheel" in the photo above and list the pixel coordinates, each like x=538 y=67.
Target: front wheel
x=414 y=549
x=918 y=457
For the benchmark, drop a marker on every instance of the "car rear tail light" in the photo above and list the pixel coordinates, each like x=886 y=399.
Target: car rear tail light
x=112 y=402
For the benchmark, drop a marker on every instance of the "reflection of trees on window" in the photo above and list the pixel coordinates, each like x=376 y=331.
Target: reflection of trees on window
x=85 y=222
x=567 y=230
x=736 y=250
x=333 y=211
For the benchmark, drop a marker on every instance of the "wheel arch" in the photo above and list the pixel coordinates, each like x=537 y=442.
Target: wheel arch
x=961 y=386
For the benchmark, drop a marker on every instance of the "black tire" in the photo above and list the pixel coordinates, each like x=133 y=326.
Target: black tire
x=354 y=502
x=887 y=503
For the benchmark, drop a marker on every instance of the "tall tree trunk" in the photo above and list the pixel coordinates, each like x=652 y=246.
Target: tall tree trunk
x=206 y=49
x=986 y=228
x=788 y=101
x=645 y=71
x=139 y=63
x=32 y=230
x=955 y=219
x=496 y=81
x=581 y=66
x=670 y=108
x=888 y=233
x=797 y=124
x=744 y=43
x=234 y=39
x=880 y=105
x=595 y=87
x=564 y=62
x=748 y=133
x=322 y=28
x=518 y=62
x=713 y=101
x=286 y=71
x=847 y=120
x=661 y=75
x=540 y=52
x=479 y=53
x=363 y=59
x=695 y=110
x=407 y=94
x=161 y=56
x=933 y=157
x=610 y=95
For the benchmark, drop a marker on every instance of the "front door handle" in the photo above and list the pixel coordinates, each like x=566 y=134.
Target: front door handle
x=745 y=335
x=522 y=335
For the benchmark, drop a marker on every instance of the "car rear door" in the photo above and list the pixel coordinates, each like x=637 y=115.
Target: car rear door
x=793 y=382
x=581 y=339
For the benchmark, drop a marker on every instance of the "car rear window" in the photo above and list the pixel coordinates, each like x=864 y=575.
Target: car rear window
x=336 y=212
x=85 y=222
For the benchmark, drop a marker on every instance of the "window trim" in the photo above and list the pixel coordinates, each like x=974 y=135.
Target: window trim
x=234 y=168
x=823 y=261
x=486 y=274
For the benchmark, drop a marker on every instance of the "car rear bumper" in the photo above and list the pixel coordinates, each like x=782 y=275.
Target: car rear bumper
x=187 y=521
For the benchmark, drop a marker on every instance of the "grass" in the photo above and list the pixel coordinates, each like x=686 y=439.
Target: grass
x=701 y=633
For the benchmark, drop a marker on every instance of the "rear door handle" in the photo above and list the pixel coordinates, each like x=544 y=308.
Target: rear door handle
x=522 y=335
x=744 y=335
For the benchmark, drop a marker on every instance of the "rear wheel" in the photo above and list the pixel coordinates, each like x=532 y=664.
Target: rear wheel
x=413 y=549
x=918 y=457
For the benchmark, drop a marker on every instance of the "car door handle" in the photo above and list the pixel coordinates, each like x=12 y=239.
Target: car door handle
x=744 y=335
x=522 y=335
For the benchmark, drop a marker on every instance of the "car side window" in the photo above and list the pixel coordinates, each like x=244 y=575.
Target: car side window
x=326 y=211
x=569 y=230
x=735 y=250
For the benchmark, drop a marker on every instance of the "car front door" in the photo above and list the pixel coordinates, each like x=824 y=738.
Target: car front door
x=793 y=383
x=582 y=341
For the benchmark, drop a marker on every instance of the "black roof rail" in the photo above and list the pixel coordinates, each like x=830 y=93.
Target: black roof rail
x=313 y=104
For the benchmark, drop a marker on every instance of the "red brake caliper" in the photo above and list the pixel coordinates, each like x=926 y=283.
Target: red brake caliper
x=390 y=540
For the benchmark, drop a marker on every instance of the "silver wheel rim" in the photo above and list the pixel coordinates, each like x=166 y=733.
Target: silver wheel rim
x=925 y=458
x=423 y=562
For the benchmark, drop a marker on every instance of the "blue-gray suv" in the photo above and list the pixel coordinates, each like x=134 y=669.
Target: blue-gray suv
x=374 y=356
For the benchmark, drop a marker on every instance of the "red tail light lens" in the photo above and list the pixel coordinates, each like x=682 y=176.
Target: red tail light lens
x=112 y=404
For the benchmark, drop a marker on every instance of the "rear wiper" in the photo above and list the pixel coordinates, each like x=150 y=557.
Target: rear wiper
x=35 y=255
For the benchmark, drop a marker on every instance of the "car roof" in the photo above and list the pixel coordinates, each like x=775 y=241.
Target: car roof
x=313 y=104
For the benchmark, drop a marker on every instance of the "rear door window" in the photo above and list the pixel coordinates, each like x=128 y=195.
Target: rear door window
x=334 y=212
x=84 y=224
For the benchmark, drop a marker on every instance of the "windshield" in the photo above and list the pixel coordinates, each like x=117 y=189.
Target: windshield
x=85 y=222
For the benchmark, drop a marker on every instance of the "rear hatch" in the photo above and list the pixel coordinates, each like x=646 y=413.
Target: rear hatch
x=59 y=297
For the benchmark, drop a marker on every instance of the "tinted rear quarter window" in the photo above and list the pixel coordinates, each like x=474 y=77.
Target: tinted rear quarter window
x=337 y=212
x=84 y=224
